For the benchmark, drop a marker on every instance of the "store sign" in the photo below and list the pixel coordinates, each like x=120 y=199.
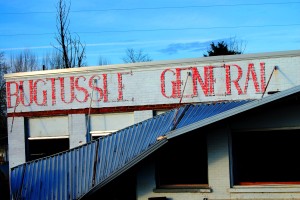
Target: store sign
x=140 y=87
x=206 y=82
x=63 y=89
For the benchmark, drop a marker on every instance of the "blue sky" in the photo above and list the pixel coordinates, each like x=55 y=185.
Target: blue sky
x=165 y=30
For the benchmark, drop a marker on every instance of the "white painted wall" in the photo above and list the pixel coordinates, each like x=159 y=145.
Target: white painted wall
x=111 y=121
x=153 y=83
x=77 y=129
x=218 y=162
x=142 y=115
x=16 y=138
x=48 y=126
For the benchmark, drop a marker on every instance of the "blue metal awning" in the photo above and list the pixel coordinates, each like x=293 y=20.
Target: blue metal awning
x=80 y=171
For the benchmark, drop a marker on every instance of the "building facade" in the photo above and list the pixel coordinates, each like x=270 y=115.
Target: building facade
x=56 y=110
x=251 y=155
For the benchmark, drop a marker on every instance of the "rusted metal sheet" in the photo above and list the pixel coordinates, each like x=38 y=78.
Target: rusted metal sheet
x=82 y=170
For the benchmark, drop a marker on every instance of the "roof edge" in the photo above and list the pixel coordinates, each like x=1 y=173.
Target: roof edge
x=234 y=111
x=160 y=63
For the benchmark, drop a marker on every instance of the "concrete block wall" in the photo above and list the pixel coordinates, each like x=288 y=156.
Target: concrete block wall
x=16 y=138
x=77 y=130
x=142 y=115
x=218 y=163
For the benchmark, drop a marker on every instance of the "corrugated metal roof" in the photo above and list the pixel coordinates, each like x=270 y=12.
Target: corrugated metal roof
x=71 y=174
x=83 y=170
x=244 y=106
x=199 y=112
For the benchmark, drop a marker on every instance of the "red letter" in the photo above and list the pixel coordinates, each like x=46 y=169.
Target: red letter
x=63 y=92
x=53 y=90
x=254 y=78
x=44 y=103
x=177 y=84
x=120 y=85
x=208 y=84
x=30 y=92
x=163 y=84
x=228 y=79
x=81 y=89
x=9 y=94
x=105 y=93
x=262 y=77
x=93 y=81
x=211 y=80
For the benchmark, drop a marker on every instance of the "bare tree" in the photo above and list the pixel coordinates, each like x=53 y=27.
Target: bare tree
x=70 y=46
x=133 y=56
x=103 y=61
x=24 y=61
x=53 y=60
x=237 y=45
x=4 y=68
